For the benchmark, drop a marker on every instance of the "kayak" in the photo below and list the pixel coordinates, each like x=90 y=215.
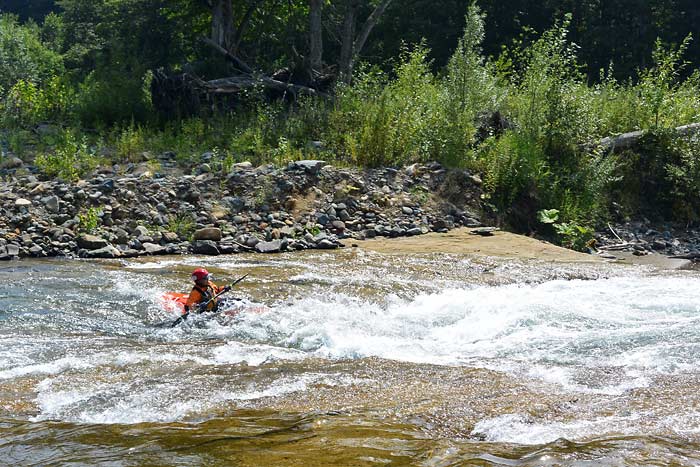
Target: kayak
x=174 y=302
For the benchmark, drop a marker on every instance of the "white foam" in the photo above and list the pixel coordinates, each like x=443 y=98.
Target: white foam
x=556 y=326
x=523 y=429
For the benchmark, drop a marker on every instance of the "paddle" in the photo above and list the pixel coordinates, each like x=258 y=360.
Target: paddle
x=204 y=306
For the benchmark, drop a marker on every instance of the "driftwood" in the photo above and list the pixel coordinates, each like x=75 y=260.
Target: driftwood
x=628 y=140
x=185 y=94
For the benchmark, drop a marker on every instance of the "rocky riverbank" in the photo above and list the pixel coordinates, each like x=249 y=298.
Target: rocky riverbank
x=133 y=211
x=642 y=238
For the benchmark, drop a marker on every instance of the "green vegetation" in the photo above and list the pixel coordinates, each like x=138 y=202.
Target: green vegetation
x=526 y=112
x=89 y=220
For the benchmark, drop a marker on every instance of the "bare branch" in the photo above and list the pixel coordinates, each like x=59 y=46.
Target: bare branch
x=369 y=25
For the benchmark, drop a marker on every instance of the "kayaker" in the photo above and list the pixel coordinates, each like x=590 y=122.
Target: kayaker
x=200 y=299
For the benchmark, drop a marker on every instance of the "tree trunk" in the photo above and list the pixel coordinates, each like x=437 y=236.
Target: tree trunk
x=316 y=34
x=222 y=29
x=351 y=45
x=348 y=42
x=369 y=25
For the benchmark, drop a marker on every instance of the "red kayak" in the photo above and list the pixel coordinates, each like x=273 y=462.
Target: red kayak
x=174 y=302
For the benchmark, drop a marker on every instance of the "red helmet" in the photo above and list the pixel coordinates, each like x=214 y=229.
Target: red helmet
x=200 y=274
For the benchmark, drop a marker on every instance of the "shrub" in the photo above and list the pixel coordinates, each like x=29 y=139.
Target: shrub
x=117 y=97
x=23 y=56
x=27 y=103
x=71 y=160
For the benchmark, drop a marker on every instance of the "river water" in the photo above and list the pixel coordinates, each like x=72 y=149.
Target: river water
x=361 y=358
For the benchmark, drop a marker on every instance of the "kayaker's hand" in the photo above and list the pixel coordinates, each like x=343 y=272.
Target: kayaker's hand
x=227 y=288
x=202 y=308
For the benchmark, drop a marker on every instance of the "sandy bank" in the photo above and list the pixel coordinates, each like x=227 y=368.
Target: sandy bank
x=463 y=241
x=507 y=245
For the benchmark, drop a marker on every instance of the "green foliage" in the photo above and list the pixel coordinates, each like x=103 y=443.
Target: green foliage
x=28 y=104
x=182 y=224
x=130 y=143
x=548 y=216
x=574 y=236
x=395 y=124
x=104 y=100
x=470 y=89
x=571 y=234
x=658 y=84
x=661 y=178
x=72 y=159
x=23 y=56
x=89 y=220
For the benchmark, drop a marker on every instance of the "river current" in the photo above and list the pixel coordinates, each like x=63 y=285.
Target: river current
x=356 y=358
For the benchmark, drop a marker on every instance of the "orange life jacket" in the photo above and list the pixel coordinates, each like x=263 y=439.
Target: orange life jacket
x=200 y=295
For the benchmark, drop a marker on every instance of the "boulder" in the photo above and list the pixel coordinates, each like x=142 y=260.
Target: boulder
x=275 y=246
x=205 y=247
x=153 y=249
x=92 y=242
x=310 y=166
x=208 y=233
x=107 y=252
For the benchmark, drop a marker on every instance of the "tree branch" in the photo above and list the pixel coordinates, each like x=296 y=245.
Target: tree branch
x=237 y=62
x=369 y=25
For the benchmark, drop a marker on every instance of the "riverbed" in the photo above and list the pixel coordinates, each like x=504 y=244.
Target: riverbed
x=386 y=353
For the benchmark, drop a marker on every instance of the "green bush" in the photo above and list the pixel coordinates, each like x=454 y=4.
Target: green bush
x=27 y=103
x=89 y=220
x=107 y=98
x=72 y=159
x=23 y=56
x=661 y=178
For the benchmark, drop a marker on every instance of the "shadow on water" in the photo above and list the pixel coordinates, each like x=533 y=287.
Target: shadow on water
x=254 y=438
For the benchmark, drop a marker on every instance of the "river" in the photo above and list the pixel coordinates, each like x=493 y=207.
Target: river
x=362 y=358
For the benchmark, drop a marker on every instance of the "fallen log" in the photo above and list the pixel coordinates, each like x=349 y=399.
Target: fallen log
x=628 y=140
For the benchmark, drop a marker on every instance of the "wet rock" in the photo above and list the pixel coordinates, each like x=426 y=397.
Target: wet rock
x=326 y=244
x=205 y=247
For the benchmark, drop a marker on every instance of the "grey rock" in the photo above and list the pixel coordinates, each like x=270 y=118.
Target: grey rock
x=153 y=249
x=11 y=163
x=36 y=250
x=22 y=203
x=92 y=242
x=141 y=231
x=310 y=166
x=205 y=247
x=485 y=231
x=107 y=252
x=52 y=203
x=326 y=244
x=12 y=249
x=274 y=246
